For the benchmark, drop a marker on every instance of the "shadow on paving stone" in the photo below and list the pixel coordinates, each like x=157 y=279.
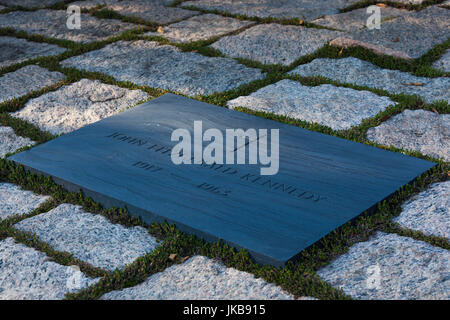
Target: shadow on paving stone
x=14 y=50
x=52 y=23
x=165 y=67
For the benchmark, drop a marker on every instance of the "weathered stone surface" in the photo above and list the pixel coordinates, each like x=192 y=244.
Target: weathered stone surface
x=445 y=4
x=391 y=267
x=429 y=211
x=10 y=142
x=25 y=80
x=409 y=36
x=52 y=23
x=420 y=130
x=166 y=67
x=201 y=278
x=74 y=106
x=443 y=63
x=357 y=19
x=27 y=274
x=362 y=73
x=201 y=27
x=89 y=4
x=338 y=108
x=151 y=11
x=274 y=43
x=15 y=50
x=89 y=237
x=29 y=3
x=310 y=9
x=14 y=200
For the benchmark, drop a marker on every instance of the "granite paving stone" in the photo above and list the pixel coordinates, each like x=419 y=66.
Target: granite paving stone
x=443 y=63
x=166 y=67
x=14 y=200
x=409 y=36
x=10 y=142
x=336 y=107
x=90 y=237
x=274 y=43
x=362 y=73
x=429 y=211
x=29 y=3
x=389 y=266
x=15 y=50
x=52 y=23
x=27 y=274
x=419 y=130
x=309 y=9
x=445 y=4
x=89 y=4
x=357 y=19
x=202 y=27
x=76 y=105
x=26 y=80
x=201 y=278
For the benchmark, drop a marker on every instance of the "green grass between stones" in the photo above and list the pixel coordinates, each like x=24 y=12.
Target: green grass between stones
x=298 y=278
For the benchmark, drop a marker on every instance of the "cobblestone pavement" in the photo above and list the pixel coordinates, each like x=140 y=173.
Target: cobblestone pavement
x=315 y=64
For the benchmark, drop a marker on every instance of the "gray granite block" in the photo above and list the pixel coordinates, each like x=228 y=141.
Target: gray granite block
x=14 y=200
x=89 y=237
x=274 y=43
x=201 y=278
x=409 y=36
x=166 y=67
x=200 y=27
x=89 y=4
x=362 y=73
x=443 y=63
x=78 y=104
x=52 y=23
x=151 y=11
x=10 y=142
x=26 y=80
x=27 y=274
x=357 y=19
x=429 y=211
x=389 y=266
x=419 y=130
x=15 y=50
x=336 y=107
x=29 y=3
x=310 y=9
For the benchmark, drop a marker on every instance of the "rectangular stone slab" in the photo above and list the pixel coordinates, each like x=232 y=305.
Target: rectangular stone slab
x=323 y=181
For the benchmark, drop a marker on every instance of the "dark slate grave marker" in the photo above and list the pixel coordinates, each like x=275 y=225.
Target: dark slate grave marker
x=322 y=183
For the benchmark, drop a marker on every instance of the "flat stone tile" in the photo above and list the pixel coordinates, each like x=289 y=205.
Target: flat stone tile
x=357 y=19
x=419 y=130
x=443 y=63
x=10 y=142
x=27 y=274
x=89 y=4
x=362 y=73
x=74 y=106
x=14 y=200
x=445 y=4
x=338 y=108
x=201 y=278
x=389 y=267
x=15 y=50
x=29 y=3
x=52 y=23
x=89 y=237
x=429 y=211
x=201 y=27
x=310 y=9
x=151 y=11
x=166 y=67
x=25 y=80
x=407 y=37
x=274 y=43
